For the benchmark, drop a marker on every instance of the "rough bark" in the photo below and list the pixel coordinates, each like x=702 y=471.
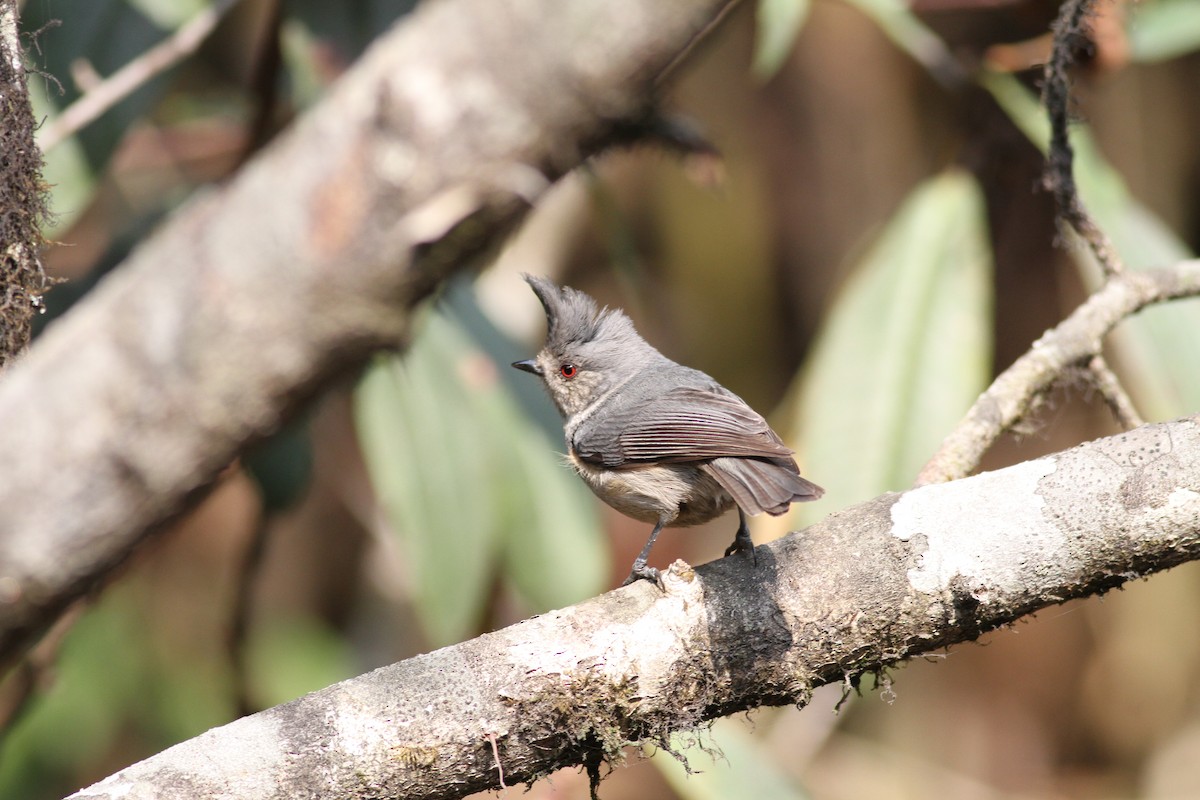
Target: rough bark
x=891 y=578
x=22 y=196
x=218 y=327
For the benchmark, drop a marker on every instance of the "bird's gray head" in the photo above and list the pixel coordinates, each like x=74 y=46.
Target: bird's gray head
x=588 y=349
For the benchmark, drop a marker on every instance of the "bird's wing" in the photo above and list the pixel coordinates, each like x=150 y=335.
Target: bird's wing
x=682 y=424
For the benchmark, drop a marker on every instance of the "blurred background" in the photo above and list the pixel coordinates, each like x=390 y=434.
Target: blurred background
x=872 y=247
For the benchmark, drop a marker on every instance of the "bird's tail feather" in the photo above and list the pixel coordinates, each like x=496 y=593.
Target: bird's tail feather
x=759 y=485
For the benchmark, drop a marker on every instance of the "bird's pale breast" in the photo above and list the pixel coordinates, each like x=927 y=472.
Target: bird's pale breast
x=684 y=492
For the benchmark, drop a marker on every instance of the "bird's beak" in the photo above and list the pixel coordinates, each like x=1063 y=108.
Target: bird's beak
x=528 y=365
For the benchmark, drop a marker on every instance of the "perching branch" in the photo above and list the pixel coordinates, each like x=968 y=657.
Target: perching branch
x=1075 y=341
x=883 y=581
x=222 y=325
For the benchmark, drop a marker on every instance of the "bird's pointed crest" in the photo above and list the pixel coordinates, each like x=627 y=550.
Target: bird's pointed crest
x=573 y=317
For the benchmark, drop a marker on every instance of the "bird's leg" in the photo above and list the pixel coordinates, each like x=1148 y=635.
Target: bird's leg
x=640 y=569
x=742 y=541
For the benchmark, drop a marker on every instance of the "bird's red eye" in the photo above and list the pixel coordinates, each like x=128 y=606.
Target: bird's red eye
x=567 y=371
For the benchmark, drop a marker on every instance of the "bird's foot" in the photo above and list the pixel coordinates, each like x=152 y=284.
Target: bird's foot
x=641 y=571
x=742 y=543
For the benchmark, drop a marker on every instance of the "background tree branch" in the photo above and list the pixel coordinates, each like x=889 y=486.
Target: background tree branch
x=894 y=577
x=425 y=155
x=1075 y=341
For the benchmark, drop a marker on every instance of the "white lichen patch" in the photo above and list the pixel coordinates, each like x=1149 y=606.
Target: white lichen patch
x=981 y=530
x=1177 y=515
x=362 y=731
x=1182 y=497
x=640 y=644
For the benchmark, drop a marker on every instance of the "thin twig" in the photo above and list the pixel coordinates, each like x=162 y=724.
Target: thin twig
x=1076 y=340
x=1070 y=33
x=129 y=78
x=1114 y=394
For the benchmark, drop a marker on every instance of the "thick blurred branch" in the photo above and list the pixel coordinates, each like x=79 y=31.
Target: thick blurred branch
x=1076 y=341
x=889 y=579
x=253 y=297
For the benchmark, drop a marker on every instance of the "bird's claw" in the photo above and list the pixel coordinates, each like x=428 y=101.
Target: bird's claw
x=642 y=572
x=742 y=543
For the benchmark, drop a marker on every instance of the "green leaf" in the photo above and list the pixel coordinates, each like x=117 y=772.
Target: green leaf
x=1021 y=106
x=319 y=38
x=555 y=554
x=301 y=53
x=1155 y=350
x=734 y=766
x=425 y=444
x=169 y=14
x=113 y=692
x=905 y=349
x=905 y=30
x=465 y=477
x=1164 y=29
x=779 y=23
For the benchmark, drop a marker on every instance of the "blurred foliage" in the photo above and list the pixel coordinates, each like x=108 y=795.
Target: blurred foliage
x=168 y=14
x=96 y=37
x=465 y=479
x=347 y=28
x=724 y=766
x=1164 y=29
x=849 y=254
x=113 y=683
x=904 y=351
x=779 y=23
x=908 y=32
x=293 y=656
x=282 y=466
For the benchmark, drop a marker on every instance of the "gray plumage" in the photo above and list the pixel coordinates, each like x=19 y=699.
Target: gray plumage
x=656 y=440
